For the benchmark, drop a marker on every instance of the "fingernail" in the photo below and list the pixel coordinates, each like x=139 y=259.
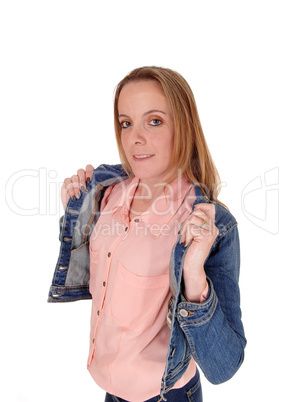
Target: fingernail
x=77 y=195
x=73 y=197
x=83 y=188
x=88 y=180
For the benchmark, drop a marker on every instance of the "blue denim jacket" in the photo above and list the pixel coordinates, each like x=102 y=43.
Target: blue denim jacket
x=211 y=332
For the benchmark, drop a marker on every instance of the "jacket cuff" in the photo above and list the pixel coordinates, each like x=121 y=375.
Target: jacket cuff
x=198 y=313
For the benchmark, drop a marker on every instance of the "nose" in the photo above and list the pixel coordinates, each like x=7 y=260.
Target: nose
x=138 y=135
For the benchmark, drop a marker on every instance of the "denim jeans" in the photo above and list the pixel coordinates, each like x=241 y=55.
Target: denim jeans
x=191 y=392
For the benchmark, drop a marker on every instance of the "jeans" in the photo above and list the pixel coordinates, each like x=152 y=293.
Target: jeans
x=191 y=392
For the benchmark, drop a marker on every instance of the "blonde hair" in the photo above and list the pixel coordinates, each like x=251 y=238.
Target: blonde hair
x=191 y=156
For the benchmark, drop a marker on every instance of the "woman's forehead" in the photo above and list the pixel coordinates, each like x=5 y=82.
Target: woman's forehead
x=142 y=94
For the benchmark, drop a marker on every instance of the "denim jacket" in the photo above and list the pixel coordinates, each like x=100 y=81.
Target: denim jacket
x=210 y=332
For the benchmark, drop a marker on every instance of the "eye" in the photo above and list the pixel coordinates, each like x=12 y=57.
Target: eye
x=155 y=122
x=125 y=124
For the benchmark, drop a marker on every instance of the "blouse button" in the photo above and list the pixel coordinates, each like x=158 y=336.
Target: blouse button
x=126 y=229
x=136 y=220
x=109 y=254
x=104 y=283
x=98 y=312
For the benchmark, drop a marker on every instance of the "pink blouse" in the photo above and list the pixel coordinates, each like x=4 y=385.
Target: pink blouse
x=129 y=282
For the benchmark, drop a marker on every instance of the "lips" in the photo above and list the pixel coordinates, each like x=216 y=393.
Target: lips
x=142 y=156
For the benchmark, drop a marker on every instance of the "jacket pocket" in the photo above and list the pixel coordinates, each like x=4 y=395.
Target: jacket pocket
x=136 y=300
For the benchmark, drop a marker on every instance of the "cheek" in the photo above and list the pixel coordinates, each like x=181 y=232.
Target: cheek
x=169 y=155
x=168 y=145
x=123 y=142
x=126 y=148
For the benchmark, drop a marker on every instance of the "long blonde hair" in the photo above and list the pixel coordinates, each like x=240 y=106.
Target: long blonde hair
x=191 y=156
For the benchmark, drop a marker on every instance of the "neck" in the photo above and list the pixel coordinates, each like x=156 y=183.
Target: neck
x=145 y=195
x=148 y=190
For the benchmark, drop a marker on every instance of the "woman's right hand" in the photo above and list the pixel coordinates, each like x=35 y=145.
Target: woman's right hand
x=73 y=185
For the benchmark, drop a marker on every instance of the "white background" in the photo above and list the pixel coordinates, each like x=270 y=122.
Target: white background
x=60 y=62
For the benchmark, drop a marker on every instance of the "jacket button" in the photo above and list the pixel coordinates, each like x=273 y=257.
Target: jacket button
x=183 y=312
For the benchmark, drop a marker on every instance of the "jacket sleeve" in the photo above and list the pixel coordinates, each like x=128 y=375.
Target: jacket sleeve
x=214 y=329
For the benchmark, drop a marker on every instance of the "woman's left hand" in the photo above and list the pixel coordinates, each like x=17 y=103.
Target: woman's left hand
x=199 y=228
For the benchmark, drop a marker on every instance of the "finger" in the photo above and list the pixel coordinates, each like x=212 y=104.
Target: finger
x=199 y=221
x=190 y=233
x=207 y=208
x=82 y=178
x=196 y=226
x=195 y=232
x=202 y=215
x=68 y=186
x=76 y=185
x=186 y=232
x=64 y=196
x=196 y=218
x=199 y=218
x=89 y=172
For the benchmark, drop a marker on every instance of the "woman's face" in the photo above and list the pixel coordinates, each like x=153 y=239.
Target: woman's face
x=147 y=129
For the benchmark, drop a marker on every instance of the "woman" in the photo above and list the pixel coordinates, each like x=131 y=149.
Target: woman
x=150 y=326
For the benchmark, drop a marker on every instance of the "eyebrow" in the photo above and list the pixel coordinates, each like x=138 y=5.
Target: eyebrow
x=149 y=112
